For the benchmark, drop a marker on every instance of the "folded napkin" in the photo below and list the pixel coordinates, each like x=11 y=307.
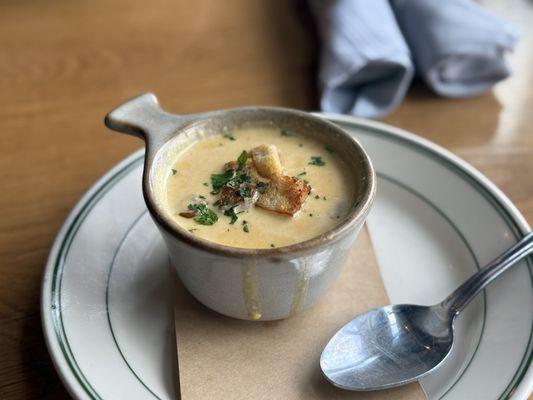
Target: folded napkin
x=458 y=46
x=365 y=66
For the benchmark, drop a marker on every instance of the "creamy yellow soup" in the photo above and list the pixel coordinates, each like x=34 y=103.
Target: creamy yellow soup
x=189 y=179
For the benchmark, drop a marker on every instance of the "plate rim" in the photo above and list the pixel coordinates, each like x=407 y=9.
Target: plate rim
x=71 y=381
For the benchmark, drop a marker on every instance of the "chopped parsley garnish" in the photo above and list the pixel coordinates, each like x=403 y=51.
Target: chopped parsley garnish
x=317 y=160
x=261 y=187
x=173 y=171
x=245 y=226
x=201 y=197
x=231 y=213
x=324 y=198
x=203 y=214
x=299 y=175
x=206 y=184
x=245 y=191
x=236 y=187
x=272 y=245
x=192 y=230
x=242 y=158
x=286 y=133
x=329 y=149
x=219 y=180
x=310 y=215
x=228 y=135
x=240 y=182
x=317 y=197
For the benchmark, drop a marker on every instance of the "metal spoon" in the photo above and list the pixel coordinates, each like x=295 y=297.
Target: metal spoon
x=398 y=344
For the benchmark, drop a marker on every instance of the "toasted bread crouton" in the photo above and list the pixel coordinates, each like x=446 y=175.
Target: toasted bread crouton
x=229 y=198
x=285 y=195
x=266 y=161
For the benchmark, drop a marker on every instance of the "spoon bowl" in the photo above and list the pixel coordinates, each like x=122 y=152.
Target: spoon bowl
x=397 y=344
x=387 y=347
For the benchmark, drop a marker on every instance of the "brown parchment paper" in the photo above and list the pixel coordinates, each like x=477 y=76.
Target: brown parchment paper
x=225 y=358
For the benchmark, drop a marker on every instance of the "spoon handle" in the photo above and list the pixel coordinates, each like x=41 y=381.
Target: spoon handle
x=459 y=299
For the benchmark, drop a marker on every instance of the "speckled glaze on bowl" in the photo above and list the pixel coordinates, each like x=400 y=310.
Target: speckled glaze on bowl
x=252 y=284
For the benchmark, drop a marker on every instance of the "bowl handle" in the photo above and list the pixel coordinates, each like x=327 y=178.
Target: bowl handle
x=143 y=117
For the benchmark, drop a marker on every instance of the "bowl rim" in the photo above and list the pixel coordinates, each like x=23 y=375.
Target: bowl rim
x=350 y=222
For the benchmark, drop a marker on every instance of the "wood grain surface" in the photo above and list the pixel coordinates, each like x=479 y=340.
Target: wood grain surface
x=64 y=64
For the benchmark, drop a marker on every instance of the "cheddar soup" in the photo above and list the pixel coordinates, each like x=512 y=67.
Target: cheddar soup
x=258 y=188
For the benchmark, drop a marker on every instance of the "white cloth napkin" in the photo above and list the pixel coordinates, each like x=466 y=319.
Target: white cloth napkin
x=458 y=46
x=365 y=66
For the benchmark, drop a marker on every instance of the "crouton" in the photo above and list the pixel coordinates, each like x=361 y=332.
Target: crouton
x=285 y=195
x=266 y=161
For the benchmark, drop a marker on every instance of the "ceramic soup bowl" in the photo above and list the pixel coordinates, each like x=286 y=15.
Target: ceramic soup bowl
x=251 y=284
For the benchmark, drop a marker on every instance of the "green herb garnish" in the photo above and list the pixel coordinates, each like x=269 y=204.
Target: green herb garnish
x=245 y=226
x=203 y=214
x=242 y=158
x=272 y=245
x=329 y=149
x=306 y=181
x=201 y=197
x=261 y=187
x=317 y=196
x=228 y=135
x=231 y=213
x=173 y=171
x=299 y=175
x=317 y=160
x=310 y=215
x=324 y=198
x=245 y=191
x=192 y=230
x=241 y=183
x=286 y=133
x=219 y=180
x=206 y=184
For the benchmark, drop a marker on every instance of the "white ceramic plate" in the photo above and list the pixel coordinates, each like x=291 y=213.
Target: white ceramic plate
x=105 y=299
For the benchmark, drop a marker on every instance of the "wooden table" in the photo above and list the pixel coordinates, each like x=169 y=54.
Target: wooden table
x=64 y=64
